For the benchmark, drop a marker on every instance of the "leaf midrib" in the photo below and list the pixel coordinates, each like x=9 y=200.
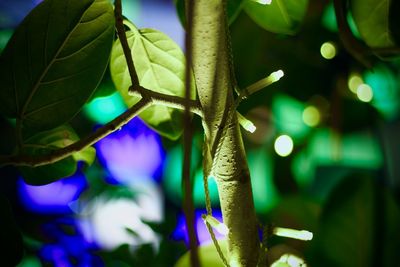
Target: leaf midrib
x=44 y=73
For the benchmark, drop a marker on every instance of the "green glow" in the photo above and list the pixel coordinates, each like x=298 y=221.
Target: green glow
x=328 y=50
x=261 y=169
x=172 y=178
x=104 y=109
x=30 y=262
x=311 y=116
x=385 y=89
x=283 y=145
x=329 y=20
x=354 y=82
x=358 y=150
x=292 y=233
x=364 y=92
x=5 y=35
x=288 y=117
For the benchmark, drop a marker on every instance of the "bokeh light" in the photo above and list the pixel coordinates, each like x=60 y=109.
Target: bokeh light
x=111 y=222
x=283 y=145
x=180 y=232
x=104 y=109
x=54 y=198
x=132 y=154
x=354 y=81
x=311 y=116
x=328 y=50
x=364 y=92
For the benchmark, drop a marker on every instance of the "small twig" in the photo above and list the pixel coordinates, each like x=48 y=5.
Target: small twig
x=170 y=100
x=119 y=24
x=59 y=154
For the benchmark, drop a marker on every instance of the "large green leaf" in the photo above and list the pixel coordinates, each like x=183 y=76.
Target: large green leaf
x=55 y=60
x=359 y=224
x=160 y=66
x=281 y=16
x=372 y=20
x=42 y=144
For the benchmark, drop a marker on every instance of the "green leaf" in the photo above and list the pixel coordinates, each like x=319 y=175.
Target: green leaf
x=55 y=60
x=279 y=16
x=160 y=66
x=372 y=20
x=359 y=217
x=42 y=144
x=233 y=8
x=208 y=256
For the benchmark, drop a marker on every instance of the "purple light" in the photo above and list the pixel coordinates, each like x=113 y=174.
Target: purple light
x=132 y=153
x=52 y=198
x=180 y=232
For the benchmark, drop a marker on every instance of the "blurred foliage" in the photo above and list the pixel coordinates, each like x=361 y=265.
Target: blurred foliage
x=341 y=181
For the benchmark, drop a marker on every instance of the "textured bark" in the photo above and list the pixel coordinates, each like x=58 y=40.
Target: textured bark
x=211 y=64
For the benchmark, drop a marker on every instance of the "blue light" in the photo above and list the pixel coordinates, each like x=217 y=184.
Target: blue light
x=132 y=154
x=180 y=232
x=52 y=198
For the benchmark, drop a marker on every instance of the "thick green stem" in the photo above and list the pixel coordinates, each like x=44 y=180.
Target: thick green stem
x=211 y=66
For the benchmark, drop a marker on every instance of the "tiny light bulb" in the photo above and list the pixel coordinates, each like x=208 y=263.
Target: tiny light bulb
x=292 y=233
x=246 y=124
x=263 y=2
x=217 y=225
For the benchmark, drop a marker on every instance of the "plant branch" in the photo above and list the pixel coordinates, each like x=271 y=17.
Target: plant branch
x=119 y=24
x=187 y=144
x=59 y=154
x=358 y=50
x=169 y=100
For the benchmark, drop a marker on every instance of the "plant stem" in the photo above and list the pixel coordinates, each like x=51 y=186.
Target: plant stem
x=59 y=154
x=187 y=149
x=215 y=86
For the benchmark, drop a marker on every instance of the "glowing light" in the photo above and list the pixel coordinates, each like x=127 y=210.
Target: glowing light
x=114 y=221
x=288 y=117
x=104 y=109
x=263 y=2
x=386 y=92
x=52 y=198
x=172 y=176
x=283 y=145
x=364 y=92
x=246 y=124
x=272 y=78
x=311 y=116
x=354 y=82
x=217 y=225
x=328 y=50
x=289 y=260
x=180 y=232
x=132 y=154
x=295 y=234
x=261 y=166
